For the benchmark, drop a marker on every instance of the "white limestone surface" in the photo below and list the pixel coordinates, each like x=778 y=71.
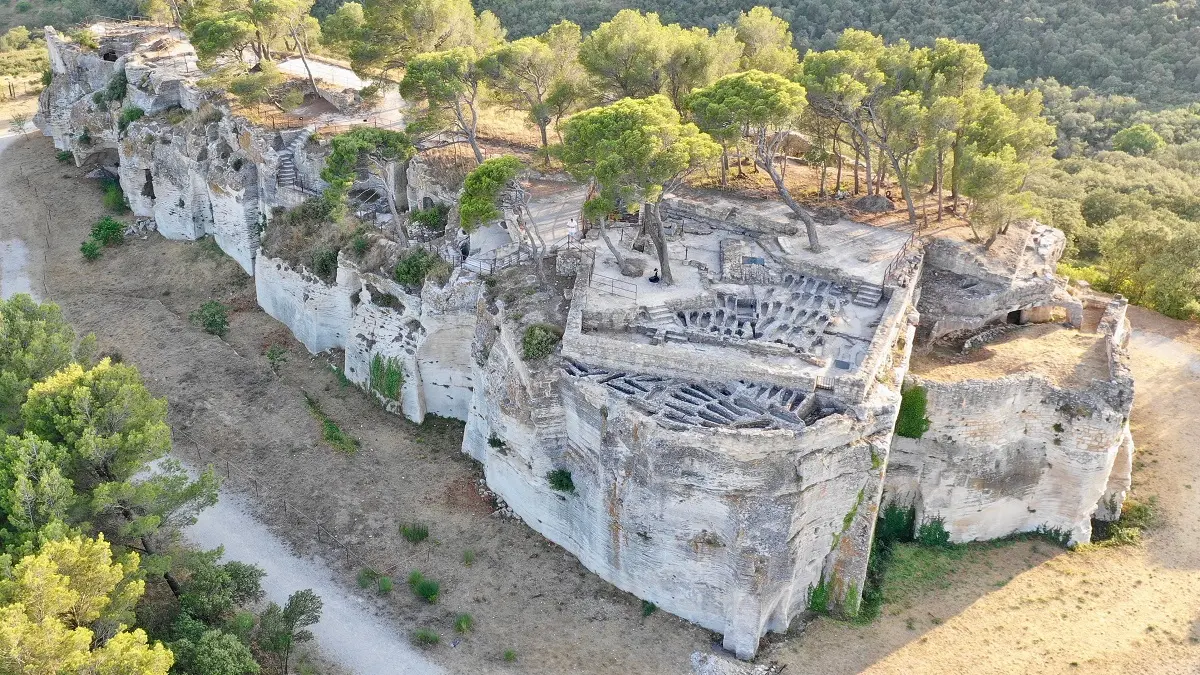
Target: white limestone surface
x=318 y=314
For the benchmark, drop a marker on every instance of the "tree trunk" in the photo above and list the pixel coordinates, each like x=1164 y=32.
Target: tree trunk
x=468 y=128
x=537 y=246
x=866 y=155
x=838 y=154
x=389 y=179
x=955 y=165
x=905 y=190
x=608 y=242
x=545 y=141
x=660 y=242
x=763 y=161
x=857 y=161
x=304 y=60
x=824 y=173
x=941 y=174
x=724 y=165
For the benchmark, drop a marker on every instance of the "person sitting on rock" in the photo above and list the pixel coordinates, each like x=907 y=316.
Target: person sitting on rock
x=654 y=277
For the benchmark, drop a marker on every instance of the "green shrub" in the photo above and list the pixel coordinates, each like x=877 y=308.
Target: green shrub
x=176 y=115
x=128 y=116
x=291 y=100
x=114 y=197
x=539 y=341
x=412 y=269
x=468 y=557
x=560 y=480
x=115 y=90
x=276 y=356
x=648 y=608
x=911 y=422
x=385 y=585
x=510 y=656
x=367 y=577
x=212 y=317
x=360 y=244
x=426 y=637
x=464 y=623
x=895 y=524
x=1097 y=278
x=47 y=77
x=331 y=433
x=426 y=589
x=433 y=219
x=64 y=155
x=386 y=377
x=82 y=37
x=933 y=534
x=324 y=264
x=818 y=598
x=90 y=250
x=108 y=232
x=495 y=441
x=85 y=137
x=415 y=533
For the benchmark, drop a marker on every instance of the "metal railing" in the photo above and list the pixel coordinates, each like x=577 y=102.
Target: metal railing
x=493 y=265
x=613 y=286
x=894 y=272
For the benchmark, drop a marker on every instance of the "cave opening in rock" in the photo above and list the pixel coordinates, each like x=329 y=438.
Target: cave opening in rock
x=148 y=186
x=1014 y=317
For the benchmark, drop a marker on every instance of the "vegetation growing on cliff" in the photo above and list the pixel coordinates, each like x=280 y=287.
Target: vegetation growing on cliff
x=911 y=422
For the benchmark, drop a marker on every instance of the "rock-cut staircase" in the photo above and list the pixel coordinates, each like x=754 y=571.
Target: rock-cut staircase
x=286 y=177
x=868 y=295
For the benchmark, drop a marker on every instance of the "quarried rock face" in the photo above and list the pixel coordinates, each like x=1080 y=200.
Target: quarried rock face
x=186 y=162
x=1020 y=453
x=430 y=336
x=319 y=314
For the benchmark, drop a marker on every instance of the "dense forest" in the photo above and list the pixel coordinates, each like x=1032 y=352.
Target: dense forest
x=1140 y=48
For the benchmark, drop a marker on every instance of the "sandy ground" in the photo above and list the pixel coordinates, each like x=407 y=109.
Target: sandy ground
x=1025 y=607
x=347 y=632
x=1066 y=356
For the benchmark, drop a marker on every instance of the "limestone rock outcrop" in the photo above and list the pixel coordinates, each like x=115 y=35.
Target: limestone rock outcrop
x=720 y=446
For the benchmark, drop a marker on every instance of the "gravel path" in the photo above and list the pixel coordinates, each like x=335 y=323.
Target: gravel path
x=348 y=632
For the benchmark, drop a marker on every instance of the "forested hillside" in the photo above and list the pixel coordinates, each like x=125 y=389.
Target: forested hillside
x=1140 y=48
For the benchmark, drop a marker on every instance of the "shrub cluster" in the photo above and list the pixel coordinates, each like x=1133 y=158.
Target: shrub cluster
x=415 y=267
x=912 y=423
x=128 y=116
x=426 y=589
x=539 y=341
x=106 y=232
x=114 y=197
x=433 y=219
x=415 y=532
x=560 y=480
x=386 y=377
x=212 y=317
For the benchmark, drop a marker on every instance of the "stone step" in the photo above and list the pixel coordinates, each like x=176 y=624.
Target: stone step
x=868 y=295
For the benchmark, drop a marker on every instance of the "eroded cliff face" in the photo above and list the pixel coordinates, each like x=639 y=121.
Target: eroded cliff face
x=187 y=162
x=735 y=529
x=1020 y=453
x=966 y=286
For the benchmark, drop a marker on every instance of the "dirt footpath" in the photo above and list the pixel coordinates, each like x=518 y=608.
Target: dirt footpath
x=1020 y=608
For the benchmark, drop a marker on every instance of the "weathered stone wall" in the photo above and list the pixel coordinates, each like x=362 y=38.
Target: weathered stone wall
x=1019 y=453
x=432 y=335
x=317 y=313
x=730 y=528
x=966 y=288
